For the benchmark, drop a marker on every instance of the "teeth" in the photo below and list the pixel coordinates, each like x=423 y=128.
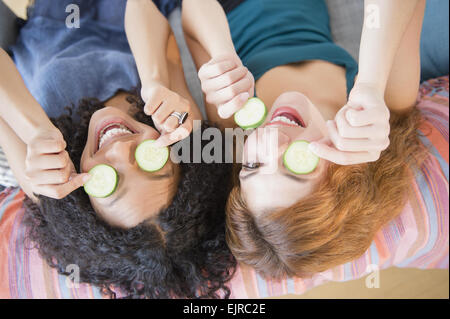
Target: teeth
x=284 y=120
x=111 y=133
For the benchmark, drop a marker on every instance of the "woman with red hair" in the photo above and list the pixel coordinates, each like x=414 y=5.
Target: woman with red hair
x=286 y=224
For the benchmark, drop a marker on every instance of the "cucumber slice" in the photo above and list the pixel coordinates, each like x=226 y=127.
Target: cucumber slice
x=151 y=158
x=299 y=159
x=103 y=181
x=251 y=115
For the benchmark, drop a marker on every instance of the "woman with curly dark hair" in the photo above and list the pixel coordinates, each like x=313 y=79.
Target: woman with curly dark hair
x=159 y=234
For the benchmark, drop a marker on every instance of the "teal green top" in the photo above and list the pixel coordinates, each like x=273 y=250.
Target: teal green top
x=271 y=33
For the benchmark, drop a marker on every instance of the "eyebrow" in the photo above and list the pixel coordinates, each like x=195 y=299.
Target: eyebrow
x=160 y=177
x=297 y=179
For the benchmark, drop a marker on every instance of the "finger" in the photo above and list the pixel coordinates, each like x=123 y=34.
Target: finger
x=343 y=126
x=163 y=112
x=367 y=116
x=51 y=177
x=346 y=130
x=179 y=134
x=47 y=146
x=329 y=153
x=224 y=80
x=153 y=104
x=352 y=144
x=377 y=131
x=227 y=94
x=170 y=124
x=228 y=109
x=251 y=91
x=212 y=69
x=47 y=162
x=61 y=191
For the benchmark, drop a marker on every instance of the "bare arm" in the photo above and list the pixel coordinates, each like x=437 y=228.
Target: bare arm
x=148 y=34
x=18 y=108
x=385 y=23
x=206 y=22
x=16 y=151
x=361 y=129
x=20 y=118
x=226 y=82
x=35 y=148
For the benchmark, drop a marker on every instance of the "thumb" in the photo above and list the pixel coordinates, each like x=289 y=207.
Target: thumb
x=322 y=148
x=75 y=181
x=326 y=141
x=168 y=139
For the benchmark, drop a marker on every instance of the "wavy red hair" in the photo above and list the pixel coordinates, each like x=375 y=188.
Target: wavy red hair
x=335 y=224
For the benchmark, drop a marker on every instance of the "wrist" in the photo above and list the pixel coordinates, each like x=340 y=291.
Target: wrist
x=29 y=123
x=155 y=79
x=221 y=49
x=35 y=129
x=149 y=87
x=373 y=86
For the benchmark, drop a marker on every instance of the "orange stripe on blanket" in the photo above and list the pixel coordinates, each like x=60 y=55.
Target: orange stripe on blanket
x=435 y=138
x=6 y=227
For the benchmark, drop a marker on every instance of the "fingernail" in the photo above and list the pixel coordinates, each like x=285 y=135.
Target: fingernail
x=312 y=146
x=221 y=113
x=157 y=143
x=245 y=96
x=86 y=178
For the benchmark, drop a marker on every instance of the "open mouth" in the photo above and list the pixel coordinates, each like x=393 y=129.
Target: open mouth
x=287 y=116
x=110 y=131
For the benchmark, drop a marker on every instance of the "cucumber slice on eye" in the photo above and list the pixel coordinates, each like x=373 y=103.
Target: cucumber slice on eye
x=151 y=158
x=251 y=115
x=299 y=159
x=103 y=181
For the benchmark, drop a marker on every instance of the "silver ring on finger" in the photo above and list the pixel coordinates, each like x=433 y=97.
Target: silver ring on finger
x=182 y=117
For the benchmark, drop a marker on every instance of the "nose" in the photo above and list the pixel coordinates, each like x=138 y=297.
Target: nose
x=121 y=153
x=266 y=145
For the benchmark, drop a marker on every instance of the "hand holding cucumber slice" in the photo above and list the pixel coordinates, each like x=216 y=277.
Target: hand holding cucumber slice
x=251 y=115
x=103 y=181
x=299 y=159
x=151 y=158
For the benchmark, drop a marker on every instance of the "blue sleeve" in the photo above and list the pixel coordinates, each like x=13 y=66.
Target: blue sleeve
x=167 y=6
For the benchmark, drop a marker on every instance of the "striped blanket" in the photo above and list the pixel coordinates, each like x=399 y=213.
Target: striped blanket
x=417 y=238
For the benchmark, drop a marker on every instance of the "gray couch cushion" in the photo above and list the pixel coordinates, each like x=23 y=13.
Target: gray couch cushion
x=8 y=26
x=190 y=70
x=346 y=22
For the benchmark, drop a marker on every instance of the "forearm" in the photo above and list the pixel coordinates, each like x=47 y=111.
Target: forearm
x=148 y=33
x=16 y=152
x=385 y=23
x=206 y=22
x=18 y=108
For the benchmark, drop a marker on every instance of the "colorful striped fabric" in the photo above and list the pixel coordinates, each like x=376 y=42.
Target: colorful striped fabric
x=418 y=238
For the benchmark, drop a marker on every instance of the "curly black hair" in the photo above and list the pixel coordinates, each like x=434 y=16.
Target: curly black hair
x=180 y=254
